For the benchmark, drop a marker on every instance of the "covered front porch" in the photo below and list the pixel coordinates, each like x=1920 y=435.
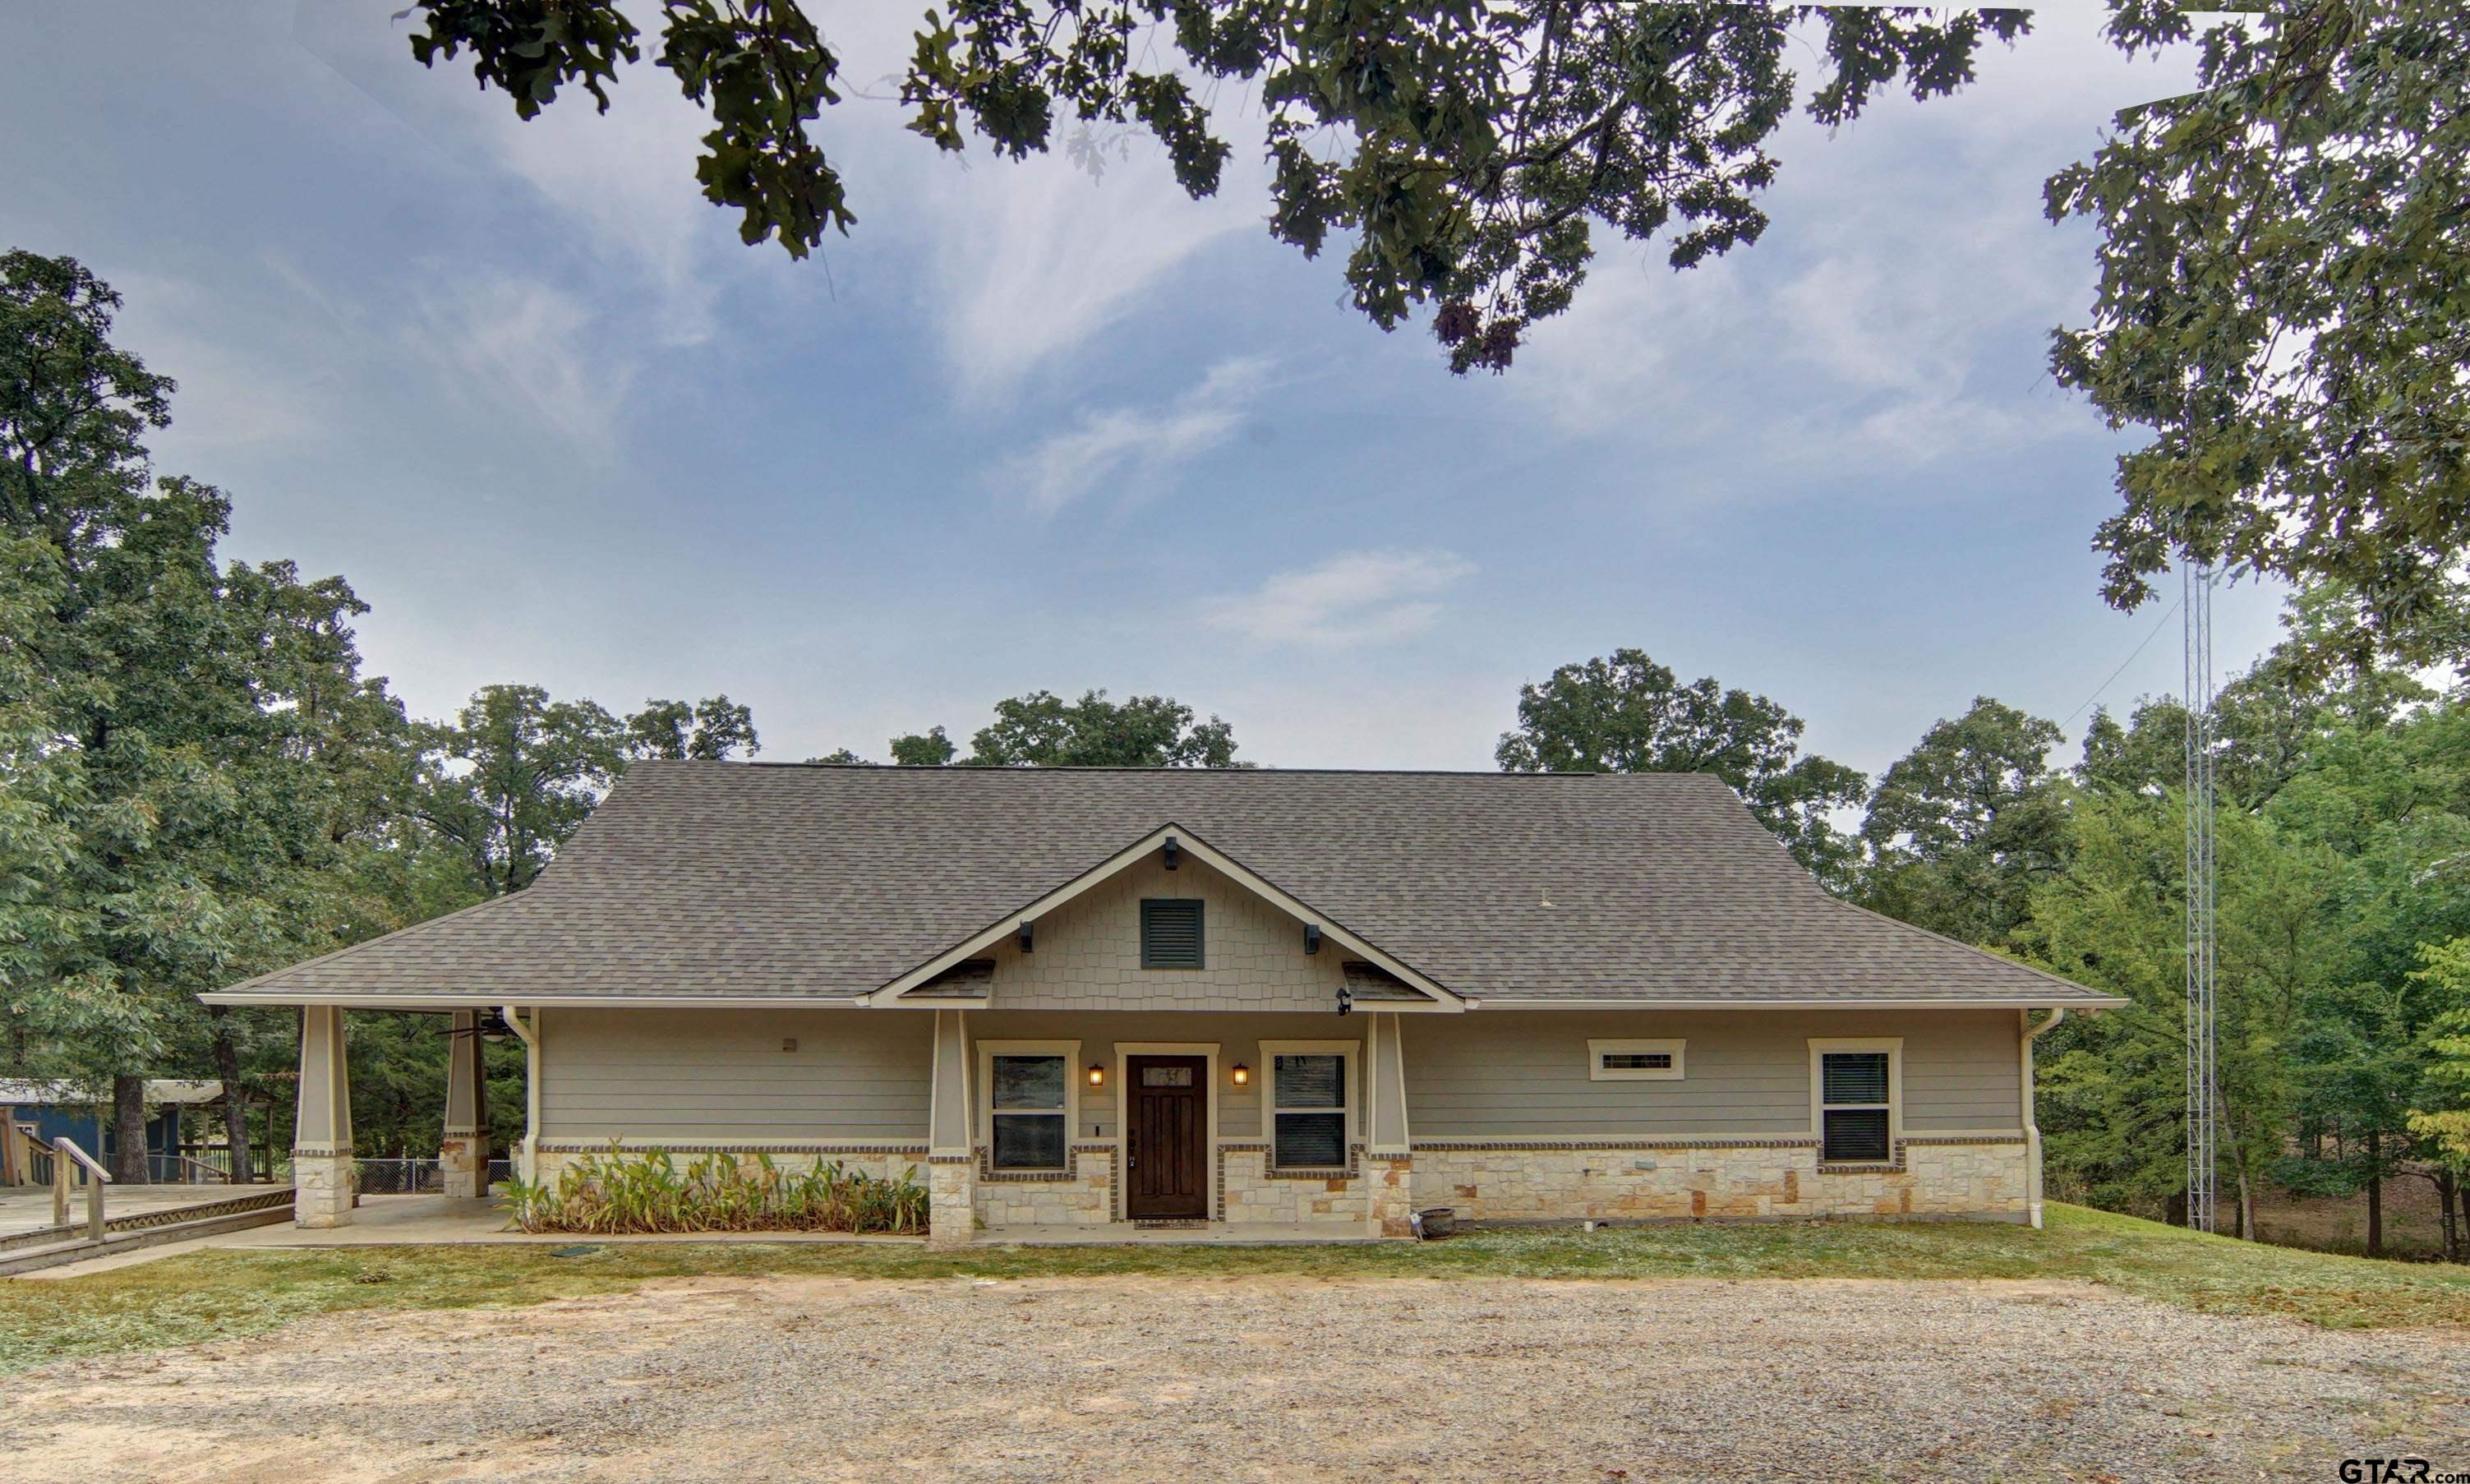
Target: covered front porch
x=1022 y=1126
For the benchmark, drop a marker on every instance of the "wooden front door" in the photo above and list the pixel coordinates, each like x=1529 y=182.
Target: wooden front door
x=1166 y=1126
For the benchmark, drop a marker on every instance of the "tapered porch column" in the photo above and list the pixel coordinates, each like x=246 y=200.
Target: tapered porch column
x=463 y=1154
x=951 y=1163
x=1388 y=1159
x=322 y=1135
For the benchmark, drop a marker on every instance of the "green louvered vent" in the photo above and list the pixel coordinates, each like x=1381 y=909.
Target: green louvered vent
x=1171 y=932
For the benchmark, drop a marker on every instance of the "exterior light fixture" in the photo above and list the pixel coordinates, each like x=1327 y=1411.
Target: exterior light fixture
x=1174 y=852
x=1097 y=1075
x=1312 y=938
x=1028 y=937
x=1345 y=999
x=1243 y=1075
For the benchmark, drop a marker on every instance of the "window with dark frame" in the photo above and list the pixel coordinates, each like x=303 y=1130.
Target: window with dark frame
x=1171 y=932
x=1027 y=1107
x=1638 y=1061
x=1854 y=1107
x=1308 y=1111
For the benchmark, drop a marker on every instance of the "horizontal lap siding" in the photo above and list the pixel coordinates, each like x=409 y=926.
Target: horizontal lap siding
x=1523 y=1075
x=857 y=1077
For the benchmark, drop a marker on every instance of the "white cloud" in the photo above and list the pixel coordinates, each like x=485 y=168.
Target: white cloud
x=504 y=343
x=1149 y=444
x=1361 y=598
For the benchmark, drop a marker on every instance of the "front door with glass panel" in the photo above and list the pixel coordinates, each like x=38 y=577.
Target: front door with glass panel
x=1166 y=1132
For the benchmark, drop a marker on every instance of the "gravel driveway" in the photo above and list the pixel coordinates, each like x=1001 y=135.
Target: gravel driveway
x=1260 y=1378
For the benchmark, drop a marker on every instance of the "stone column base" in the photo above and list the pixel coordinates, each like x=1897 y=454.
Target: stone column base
x=322 y=1186
x=463 y=1166
x=1389 y=1193
x=951 y=1201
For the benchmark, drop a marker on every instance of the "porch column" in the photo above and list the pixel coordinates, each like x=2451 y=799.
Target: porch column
x=463 y=1154
x=322 y=1135
x=1388 y=1159
x=952 y=1164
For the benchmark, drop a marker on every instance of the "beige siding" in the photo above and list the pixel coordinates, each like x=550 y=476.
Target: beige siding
x=1523 y=1075
x=1237 y=1038
x=1087 y=953
x=857 y=1077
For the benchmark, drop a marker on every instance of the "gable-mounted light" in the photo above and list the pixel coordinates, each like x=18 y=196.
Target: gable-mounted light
x=1025 y=935
x=1174 y=853
x=1312 y=938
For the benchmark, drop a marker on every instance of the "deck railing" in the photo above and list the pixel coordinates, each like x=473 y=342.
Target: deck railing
x=68 y=1163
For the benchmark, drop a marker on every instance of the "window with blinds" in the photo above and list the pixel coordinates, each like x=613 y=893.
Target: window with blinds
x=1855 y=1089
x=1171 y=932
x=1308 y=1111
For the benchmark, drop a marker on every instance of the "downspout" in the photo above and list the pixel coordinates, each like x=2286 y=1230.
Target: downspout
x=530 y=1037
x=2032 y=1126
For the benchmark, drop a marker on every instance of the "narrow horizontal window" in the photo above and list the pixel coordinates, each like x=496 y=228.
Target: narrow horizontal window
x=1171 y=932
x=1634 y=1061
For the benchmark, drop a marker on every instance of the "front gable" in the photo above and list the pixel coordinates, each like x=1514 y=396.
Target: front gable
x=1085 y=941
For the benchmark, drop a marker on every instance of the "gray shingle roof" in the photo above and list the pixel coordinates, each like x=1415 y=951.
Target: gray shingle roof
x=736 y=880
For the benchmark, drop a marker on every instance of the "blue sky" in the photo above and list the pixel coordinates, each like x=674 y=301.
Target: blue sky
x=1028 y=428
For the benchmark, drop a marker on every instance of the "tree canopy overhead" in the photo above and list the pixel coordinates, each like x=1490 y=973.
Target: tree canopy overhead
x=1473 y=151
x=2284 y=304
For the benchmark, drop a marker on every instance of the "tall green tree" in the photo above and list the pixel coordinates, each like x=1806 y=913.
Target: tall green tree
x=709 y=730
x=516 y=773
x=1961 y=827
x=1041 y=729
x=1625 y=713
x=171 y=809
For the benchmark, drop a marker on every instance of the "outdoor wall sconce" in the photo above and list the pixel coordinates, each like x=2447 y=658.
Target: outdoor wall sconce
x=1028 y=937
x=1243 y=1075
x=1174 y=853
x=1097 y=1075
x=1312 y=938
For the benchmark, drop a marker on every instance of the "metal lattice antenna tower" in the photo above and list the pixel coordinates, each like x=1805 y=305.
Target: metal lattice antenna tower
x=2203 y=1099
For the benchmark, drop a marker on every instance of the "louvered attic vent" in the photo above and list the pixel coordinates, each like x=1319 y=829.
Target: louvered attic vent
x=1171 y=932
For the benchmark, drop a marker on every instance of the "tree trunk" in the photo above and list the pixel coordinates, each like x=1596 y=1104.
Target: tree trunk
x=2375 y=1195
x=2246 y=1208
x=235 y=1110
x=2444 y=1184
x=129 y=1130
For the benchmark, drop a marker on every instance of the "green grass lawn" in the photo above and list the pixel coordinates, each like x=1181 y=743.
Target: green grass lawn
x=228 y=1294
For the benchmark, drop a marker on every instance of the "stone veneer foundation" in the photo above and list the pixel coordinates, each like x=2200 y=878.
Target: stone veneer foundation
x=1976 y=1178
x=1966 y=1177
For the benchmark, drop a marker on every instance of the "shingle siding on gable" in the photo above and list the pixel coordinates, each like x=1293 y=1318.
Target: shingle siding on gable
x=1087 y=953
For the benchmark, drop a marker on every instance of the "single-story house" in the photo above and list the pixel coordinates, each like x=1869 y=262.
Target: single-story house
x=1242 y=999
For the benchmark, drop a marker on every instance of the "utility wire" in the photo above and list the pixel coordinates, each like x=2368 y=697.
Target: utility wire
x=2123 y=664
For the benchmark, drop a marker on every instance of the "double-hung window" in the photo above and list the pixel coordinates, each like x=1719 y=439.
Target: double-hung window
x=1855 y=1085
x=1309 y=1102
x=1029 y=1102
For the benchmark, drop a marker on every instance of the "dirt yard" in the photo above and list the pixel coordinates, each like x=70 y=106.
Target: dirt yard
x=1291 y=1378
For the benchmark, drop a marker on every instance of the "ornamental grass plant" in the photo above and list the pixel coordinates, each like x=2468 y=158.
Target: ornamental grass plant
x=620 y=1193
